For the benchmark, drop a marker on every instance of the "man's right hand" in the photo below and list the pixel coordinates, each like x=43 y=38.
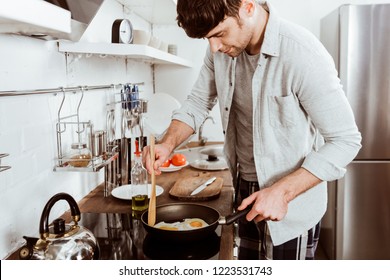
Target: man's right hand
x=177 y=132
x=162 y=153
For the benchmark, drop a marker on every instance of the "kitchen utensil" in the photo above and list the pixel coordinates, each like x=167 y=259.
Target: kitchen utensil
x=111 y=125
x=111 y=170
x=123 y=100
x=61 y=241
x=183 y=187
x=152 y=201
x=125 y=152
x=144 y=106
x=99 y=143
x=203 y=186
x=125 y=160
x=178 y=212
x=133 y=99
x=127 y=191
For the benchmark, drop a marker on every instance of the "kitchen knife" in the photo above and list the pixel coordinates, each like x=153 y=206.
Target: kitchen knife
x=203 y=186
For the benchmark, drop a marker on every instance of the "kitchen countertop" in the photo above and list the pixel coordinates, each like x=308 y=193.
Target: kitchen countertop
x=95 y=202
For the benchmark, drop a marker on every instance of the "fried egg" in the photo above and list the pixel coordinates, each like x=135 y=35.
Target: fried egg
x=169 y=226
x=187 y=224
x=194 y=223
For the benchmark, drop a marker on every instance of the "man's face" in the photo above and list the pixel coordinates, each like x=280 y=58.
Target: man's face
x=230 y=36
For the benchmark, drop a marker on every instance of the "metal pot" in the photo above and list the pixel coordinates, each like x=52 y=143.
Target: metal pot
x=61 y=241
x=179 y=211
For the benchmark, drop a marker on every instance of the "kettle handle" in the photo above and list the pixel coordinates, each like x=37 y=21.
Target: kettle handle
x=74 y=208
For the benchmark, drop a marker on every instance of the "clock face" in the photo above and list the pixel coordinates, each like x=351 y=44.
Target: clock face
x=126 y=32
x=122 y=31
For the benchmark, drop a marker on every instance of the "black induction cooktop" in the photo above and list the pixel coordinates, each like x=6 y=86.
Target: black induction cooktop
x=122 y=237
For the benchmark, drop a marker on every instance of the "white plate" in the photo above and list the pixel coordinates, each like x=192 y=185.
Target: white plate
x=173 y=168
x=204 y=164
x=128 y=191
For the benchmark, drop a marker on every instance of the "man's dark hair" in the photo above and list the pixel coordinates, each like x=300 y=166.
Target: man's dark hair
x=199 y=17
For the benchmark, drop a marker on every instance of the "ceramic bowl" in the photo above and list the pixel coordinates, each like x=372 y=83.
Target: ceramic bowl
x=141 y=37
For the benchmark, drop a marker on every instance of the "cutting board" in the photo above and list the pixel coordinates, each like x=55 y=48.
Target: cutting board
x=183 y=187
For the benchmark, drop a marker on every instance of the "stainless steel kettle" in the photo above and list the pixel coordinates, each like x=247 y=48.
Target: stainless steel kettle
x=61 y=241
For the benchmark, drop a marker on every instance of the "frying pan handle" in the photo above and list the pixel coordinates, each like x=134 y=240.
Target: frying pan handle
x=235 y=216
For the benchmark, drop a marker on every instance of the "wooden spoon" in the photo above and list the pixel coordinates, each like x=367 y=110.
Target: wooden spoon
x=152 y=200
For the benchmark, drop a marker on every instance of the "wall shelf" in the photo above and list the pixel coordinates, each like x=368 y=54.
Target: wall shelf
x=132 y=51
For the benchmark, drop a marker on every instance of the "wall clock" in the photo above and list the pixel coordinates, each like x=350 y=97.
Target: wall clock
x=122 y=31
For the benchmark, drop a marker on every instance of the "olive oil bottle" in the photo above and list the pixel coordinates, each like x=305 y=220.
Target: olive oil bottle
x=139 y=185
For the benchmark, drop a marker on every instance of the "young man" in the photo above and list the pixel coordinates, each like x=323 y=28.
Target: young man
x=287 y=123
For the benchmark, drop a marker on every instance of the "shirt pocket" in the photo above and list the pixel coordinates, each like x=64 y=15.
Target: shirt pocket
x=282 y=110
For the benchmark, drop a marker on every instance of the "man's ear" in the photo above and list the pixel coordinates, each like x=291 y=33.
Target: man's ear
x=247 y=7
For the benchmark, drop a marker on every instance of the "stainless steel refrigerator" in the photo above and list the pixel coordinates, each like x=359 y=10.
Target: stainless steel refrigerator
x=357 y=223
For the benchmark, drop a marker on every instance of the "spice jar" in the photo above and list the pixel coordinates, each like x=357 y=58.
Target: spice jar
x=80 y=155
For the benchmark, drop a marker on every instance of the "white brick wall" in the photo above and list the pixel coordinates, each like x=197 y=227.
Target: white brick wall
x=27 y=125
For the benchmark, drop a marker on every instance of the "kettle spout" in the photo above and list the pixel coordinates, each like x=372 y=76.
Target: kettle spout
x=26 y=252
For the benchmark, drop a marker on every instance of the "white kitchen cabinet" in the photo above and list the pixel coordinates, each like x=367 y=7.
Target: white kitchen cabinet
x=33 y=18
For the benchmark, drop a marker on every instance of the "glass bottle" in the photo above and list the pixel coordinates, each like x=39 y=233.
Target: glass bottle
x=139 y=184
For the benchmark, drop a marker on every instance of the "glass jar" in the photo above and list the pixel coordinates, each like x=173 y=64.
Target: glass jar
x=79 y=155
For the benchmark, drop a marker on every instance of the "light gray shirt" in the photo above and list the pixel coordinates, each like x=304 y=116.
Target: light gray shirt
x=301 y=117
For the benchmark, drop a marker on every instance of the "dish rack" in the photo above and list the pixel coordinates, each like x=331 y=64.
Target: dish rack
x=71 y=125
x=3 y=168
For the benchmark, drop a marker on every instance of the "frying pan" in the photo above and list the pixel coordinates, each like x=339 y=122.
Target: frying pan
x=177 y=212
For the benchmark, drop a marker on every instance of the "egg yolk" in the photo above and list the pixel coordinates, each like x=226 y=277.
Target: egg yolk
x=196 y=224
